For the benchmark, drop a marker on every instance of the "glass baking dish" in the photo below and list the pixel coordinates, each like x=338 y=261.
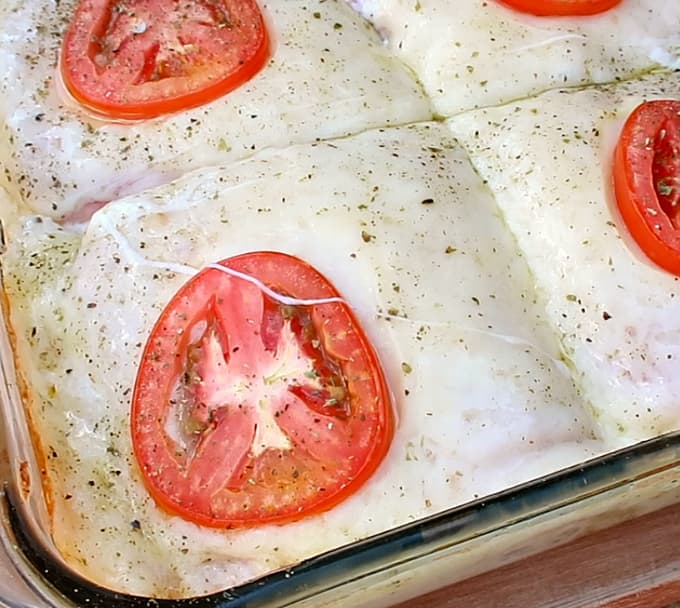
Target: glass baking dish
x=377 y=572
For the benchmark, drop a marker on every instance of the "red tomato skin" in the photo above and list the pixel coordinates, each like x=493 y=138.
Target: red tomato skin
x=98 y=91
x=561 y=8
x=634 y=188
x=159 y=365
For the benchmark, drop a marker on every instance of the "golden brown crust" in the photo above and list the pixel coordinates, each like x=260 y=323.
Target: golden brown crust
x=28 y=403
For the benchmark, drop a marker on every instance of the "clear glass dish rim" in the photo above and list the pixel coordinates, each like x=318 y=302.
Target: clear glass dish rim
x=398 y=546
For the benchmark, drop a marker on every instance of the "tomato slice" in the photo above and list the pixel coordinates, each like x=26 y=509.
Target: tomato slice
x=647 y=180
x=561 y=8
x=136 y=59
x=248 y=409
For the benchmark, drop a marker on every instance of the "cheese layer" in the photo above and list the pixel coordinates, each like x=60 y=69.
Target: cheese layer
x=548 y=162
x=403 y=226
x=474 y=53
x=329 y=75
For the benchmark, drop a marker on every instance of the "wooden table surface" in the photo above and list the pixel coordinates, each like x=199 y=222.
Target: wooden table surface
x=632 y=565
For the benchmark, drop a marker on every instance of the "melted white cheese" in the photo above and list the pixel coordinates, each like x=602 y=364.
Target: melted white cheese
x=548 y=161
x=328 y=76
x=470 y=53
x=402 y=225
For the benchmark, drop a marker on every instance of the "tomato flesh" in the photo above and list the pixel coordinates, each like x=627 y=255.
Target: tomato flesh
x=666 y=169
x=139 y=59
x=647 y=180
x=247 y=410
x=561 y=8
